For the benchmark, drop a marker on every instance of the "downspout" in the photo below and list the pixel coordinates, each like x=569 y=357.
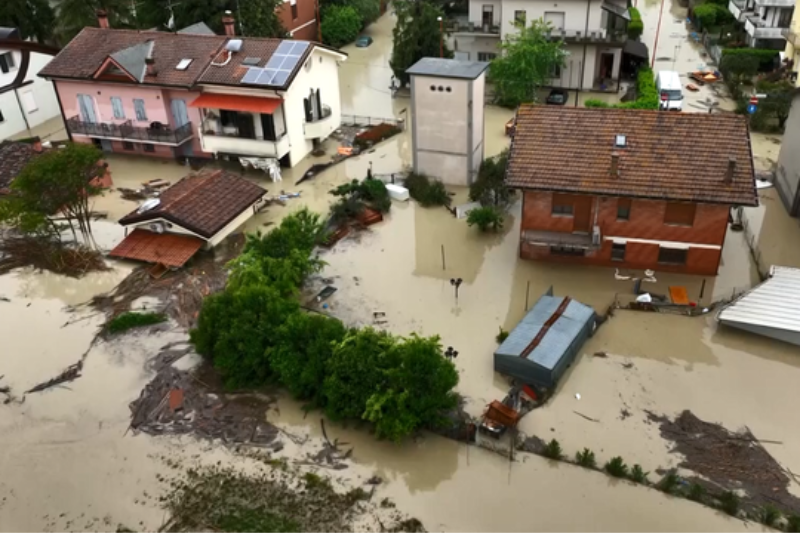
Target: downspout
x=585 y=45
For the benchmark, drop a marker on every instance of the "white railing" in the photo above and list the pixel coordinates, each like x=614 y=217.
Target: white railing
x=216 y=144
x=775 y=3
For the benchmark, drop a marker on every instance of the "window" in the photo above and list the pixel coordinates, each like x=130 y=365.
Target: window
x=556 y=72
x=679 y=214
x=29 y=102
x=623 y=208
x=519 y=18
x=2 y=118
x=785 y=17
x=555 y=19
x=7 y=62
x=149 y=148
x=570 y=252
x=562 y=205
x=672 y=256
x=129 y=145
x=486 y=56
x=116 y=106
x=141 y=113
x=618 y=252
x=294 y=9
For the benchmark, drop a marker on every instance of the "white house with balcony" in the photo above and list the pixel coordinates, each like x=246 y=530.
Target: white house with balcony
x=594 y=33
x=765 y=21
x=269 y=100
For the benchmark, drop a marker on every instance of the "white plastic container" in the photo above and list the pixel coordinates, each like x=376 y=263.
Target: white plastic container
x=396 y=192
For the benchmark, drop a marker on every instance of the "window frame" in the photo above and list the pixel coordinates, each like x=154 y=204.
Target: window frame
x=489 y=55
x=624 y=211
x=293 y=5
x=520 y=20
x=671 y=261
x=561 y=209
x=129 y=146
x=566 y=251
x=143 y=110
x=615 y=248
x=117 y=99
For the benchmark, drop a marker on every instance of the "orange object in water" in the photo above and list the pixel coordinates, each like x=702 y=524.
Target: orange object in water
x=345 y=150
x=678 y=295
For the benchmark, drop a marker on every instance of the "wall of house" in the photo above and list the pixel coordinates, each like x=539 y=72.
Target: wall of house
x=478 y=146
x=574 y=13
x=643 y=233
x=323 y=74
x=39 y=94
x=304 y=26
x=571 y=72
x=476 y=11
x=787 y=173
x=235 y=224
x=470 y=46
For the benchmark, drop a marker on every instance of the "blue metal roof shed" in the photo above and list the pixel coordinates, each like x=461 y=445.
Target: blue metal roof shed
x=546 y=341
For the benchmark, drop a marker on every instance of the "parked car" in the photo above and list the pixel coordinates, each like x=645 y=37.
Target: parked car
x=363 y=41
x=557 y=97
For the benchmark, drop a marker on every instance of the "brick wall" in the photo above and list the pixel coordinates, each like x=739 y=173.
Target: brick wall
x=306 y=13
x=646 y=221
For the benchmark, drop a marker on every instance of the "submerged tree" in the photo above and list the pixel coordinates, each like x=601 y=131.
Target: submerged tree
x=526 y=63
x=416 y=35
x=490 y=187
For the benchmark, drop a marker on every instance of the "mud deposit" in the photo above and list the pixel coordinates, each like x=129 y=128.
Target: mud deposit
x=730 y=460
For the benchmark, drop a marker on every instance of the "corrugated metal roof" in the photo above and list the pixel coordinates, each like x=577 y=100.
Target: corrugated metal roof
x=557 y=339
x=775 y=303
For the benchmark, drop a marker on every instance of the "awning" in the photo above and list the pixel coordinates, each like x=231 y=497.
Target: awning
x=233 y=102
x=635 y=48
x=166 y=248
x=616 y=10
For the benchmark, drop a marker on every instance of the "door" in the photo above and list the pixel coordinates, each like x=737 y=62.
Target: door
x=86 y=106
x=555 y=18
x=106 y=146
x=180 y=115
x=268 y=127
x=582 y=215
x=606 y=65
x=488 y=17
x=244 y=121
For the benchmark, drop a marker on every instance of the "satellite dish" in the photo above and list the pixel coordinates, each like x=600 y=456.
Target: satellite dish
x=148 y=205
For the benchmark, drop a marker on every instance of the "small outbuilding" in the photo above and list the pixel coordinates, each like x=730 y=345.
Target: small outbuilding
x=771 y=309
x=543 y=345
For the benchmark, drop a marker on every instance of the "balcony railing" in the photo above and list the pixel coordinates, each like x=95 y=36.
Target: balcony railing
x=755 y=27
x=227 y=141
x=128 y=132
x=775 y=3
x=462 y=26
x=738 y=9
x=593 y=36
x=582 y=241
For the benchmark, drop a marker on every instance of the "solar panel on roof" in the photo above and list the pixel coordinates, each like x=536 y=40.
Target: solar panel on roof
x=284 y=47
x=266 y=77
x=252 y=75
x=280 y=77
x=298 y=48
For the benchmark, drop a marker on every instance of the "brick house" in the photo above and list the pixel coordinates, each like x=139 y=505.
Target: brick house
x=299 y=18
x=633 y=189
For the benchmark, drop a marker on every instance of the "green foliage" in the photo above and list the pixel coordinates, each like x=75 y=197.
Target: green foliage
x=488 y=217
x=368 y=10
x=766 y=58
x=585 y=458
x=769 y=515
x=340 y=25
x=376 y=195
x=313 y=481
x=502 y=336
x=669 y=483
x=355 y=196
x=525 y=64
x=301 y=231
x=646 y=92
x=346 y=209
x=490 y=186
x=635 y=26
x=131 y=319
x=74 y=15
x=426 y=191
x=33 y=18
x=696 y=492
x=552 y=450
x=156 y=13
x=259 y=18
x=638 y=475
x=793 y=524
x=593 y=102
x=729 y=502
x=711 y=15
x=416 y=35
x=616 y=467
x=776 y=106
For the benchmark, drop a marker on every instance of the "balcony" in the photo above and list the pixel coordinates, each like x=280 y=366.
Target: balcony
x=579 y=241
x=321 y=127
x=756 y=29
x=792 y=36
x=468 y=27
x=126 y=131
x=617 y=37
x=227 y=141
x=775 y=3
x=739 y=10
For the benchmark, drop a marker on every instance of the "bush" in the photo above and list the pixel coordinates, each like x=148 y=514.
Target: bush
x=729 y=502
x=490 y=186
x=593 y=102
x=646 y=93
x=374 y=192
x=617 y=467
x=340 y=25
x=793 y=524
x=552 y=450
x=709 y=15
x=669 y=482
x=696 y=492
x=369 y=10
x=131 y=319
x=585 y=458
x=765 y=59
x=354 y=196
x=375 y=134
x=426 y=191
x=769 y=515
x=635 y=26
x=638 y=475
x=502 y=336
x=486 y=218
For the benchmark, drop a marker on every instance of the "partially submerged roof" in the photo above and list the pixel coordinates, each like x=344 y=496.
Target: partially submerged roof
x=14 y=156
x=166 y=248
x=666 y=156
x=202 y=203
x=447 y=68
x=548 y=331
x=771 y=308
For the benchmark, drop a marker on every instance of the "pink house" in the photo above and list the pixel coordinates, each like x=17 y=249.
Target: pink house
x=129 y=91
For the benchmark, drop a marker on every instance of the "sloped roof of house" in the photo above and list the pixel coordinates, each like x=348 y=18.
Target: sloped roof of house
x=447 y=68
x=669 y=156
x=202 y=203
x=14 y=156
x=132 y=59
x=90 y=49
x=198 y=28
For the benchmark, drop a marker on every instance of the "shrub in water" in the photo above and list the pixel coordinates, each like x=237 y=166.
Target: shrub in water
x=638 y=475
x=793 y=524
x=769 y=515
x=486 y=218
x=502 y=336
x=585 y=458
x=729 y=501
x=696 y=492
x=426 y=191
x=552 y=450
x=617 y=467
x=129 y=320
x=669 y=482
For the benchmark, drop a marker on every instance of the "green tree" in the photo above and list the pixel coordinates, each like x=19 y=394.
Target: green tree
x=74 y=15
x=259 y=18
x=490 y=186
x=487 y=217
x=340 y=26
x=301 y=356
x=419 y=389
x=157 y=13
x=416 y=35
x=34 y=18
x=369 y=10
x=778 y=102
x=527 y=62
x=301 y=231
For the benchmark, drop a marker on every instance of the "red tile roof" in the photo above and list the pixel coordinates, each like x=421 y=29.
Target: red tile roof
x=202 y=203
x=671 y=156
x=168 y=249
x=14 y=156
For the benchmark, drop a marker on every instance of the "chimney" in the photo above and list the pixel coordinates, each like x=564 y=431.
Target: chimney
x=102 y=18
x=150 y=63
x=615 y=163
x=37 y=145
x=227 y=21
x=731 y=170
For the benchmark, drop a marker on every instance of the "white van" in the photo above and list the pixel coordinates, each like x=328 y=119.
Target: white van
x=670 y=91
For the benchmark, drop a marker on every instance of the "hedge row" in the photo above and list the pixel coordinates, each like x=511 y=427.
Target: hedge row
x=635 y=26
x=646 y=94
x=766 y=58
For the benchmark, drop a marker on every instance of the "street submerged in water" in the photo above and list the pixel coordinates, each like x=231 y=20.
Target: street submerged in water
x=73 y=461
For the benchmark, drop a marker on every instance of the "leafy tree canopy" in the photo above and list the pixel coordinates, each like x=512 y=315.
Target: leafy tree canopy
x=490 y=186
x=526 y=63
x=778 y=102
x=254 y=18
x=340 y=25
x=416 y=35
x=34 y=18
x=74 y=15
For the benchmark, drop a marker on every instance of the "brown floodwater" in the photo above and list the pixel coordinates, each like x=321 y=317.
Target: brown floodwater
x=67 y=462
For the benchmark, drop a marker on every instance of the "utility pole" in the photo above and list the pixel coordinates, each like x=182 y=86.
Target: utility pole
x=585 y=44
x=441 y=37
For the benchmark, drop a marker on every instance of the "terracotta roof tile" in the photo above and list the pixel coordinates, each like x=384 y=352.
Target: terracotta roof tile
x=166 y=248
x=203 y=203
x=673 y=156
x=14 y=156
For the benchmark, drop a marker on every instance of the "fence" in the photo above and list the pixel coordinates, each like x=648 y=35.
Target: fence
x=714 y=50
x=359 y=120
x=750 y=239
